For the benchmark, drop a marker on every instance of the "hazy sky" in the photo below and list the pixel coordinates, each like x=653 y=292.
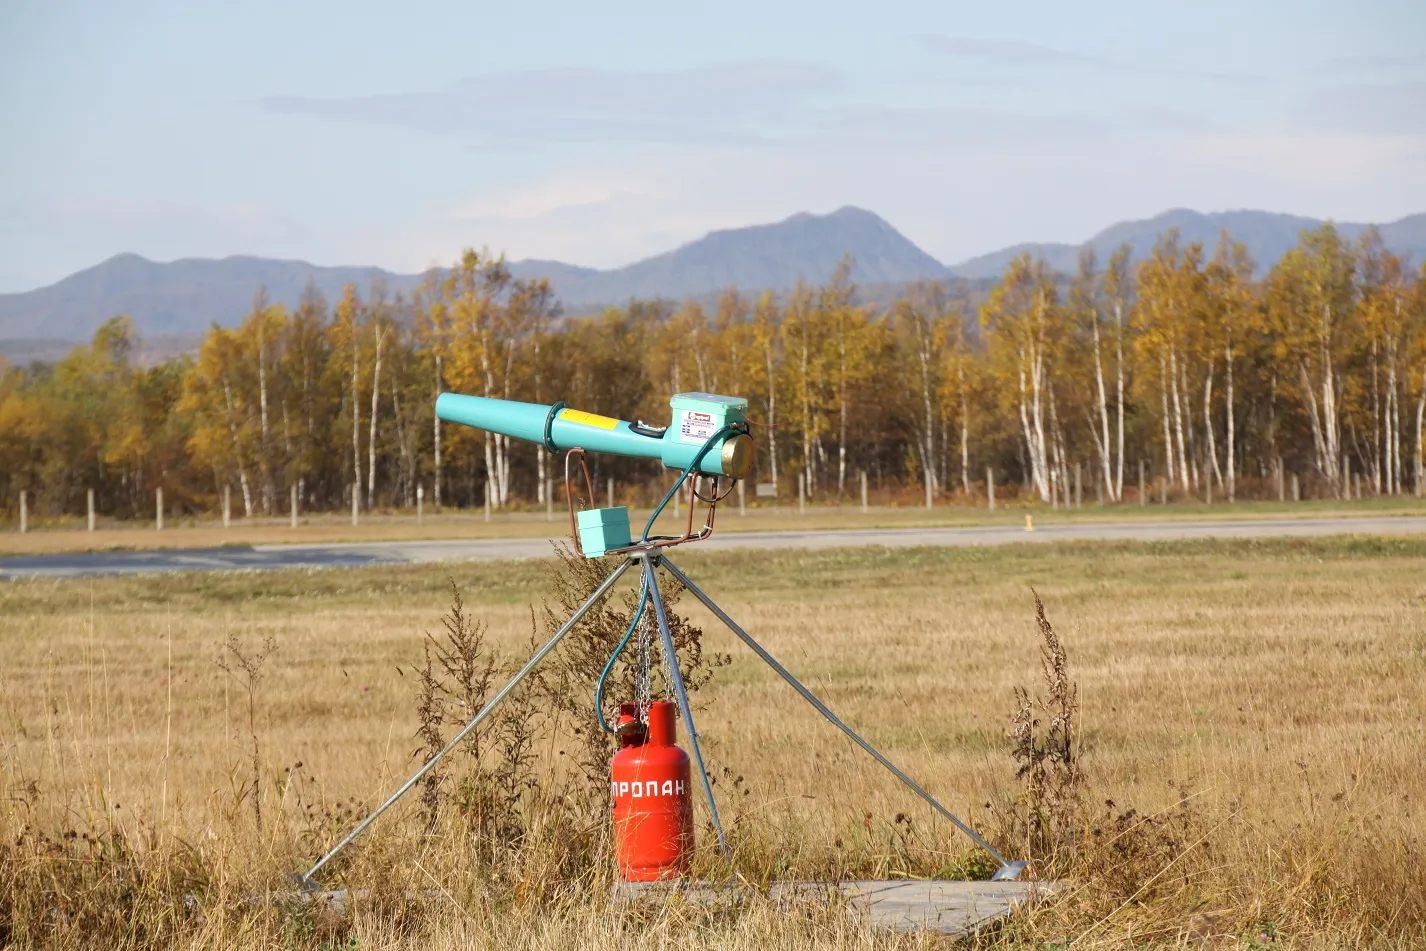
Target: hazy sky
x=350 y=132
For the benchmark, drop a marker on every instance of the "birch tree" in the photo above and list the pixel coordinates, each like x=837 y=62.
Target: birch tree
x=1017 y=320
x=1232 y=312
x=1311 y=293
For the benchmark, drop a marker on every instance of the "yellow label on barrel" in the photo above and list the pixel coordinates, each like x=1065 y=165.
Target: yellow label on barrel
x=588 y=419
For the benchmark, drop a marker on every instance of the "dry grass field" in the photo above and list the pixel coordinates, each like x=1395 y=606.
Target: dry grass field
x=1251 y=733
x=53 y=536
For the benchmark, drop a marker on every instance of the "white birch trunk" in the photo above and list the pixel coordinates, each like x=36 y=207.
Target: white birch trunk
x=965 y=428
x=1119 y=398
x=238 y=449
x=1208 y=426
x=1178 y=419
x=928 y=438
x=1164 y=398
x=375 y=406
x=436 y=427
x=269 y=491
x=356 y=421
x=1106 y=463
x=771 y=412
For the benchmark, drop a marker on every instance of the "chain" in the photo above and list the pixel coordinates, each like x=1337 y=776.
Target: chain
x=642 y=674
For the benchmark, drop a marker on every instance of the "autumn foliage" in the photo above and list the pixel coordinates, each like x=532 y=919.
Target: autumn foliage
x=1189 y=366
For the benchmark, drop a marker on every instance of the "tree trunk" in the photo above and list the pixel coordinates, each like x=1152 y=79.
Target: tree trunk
x=356 y=422
x=269 y=491
x=1178 y=419
x=1119 y=398
x=1208 y=427
x=406 y=476
x=1032 y=417
x=503 y=441
x=1106 y=463
x=1189 y=460
x=842 y=415
x=1420 y=460
x=1232 y=465
x=1164 y=399
x=771 y=412
x=243 y=469
x=541 y=474
x=436 y=425
x=375 y=406
x=494 y=490
x=808 y=463
x=1377 y=441
x=928 y=439
x=965 y=428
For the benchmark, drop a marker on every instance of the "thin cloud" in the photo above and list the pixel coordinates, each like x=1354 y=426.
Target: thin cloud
x=957 y=127
x=739 y=102
x=1369 y=65
x=1373 y=109
x=1014 y=53
x=1008 y=52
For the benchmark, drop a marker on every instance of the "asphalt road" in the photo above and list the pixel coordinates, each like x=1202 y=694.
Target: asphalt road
x=353 y=554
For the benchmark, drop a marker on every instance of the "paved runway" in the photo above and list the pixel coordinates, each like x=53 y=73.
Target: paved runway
x=351 y=554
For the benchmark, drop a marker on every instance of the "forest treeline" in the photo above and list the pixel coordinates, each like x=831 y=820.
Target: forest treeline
x=1215 y=381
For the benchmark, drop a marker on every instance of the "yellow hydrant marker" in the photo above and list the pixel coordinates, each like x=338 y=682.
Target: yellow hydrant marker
x=1029 y=524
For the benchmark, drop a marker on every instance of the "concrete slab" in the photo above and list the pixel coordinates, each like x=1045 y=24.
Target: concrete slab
x=946 y=907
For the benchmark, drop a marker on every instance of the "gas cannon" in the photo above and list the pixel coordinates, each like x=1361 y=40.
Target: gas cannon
x=709 y=445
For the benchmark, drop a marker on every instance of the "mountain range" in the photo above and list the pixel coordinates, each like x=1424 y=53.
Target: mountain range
x=182 y=298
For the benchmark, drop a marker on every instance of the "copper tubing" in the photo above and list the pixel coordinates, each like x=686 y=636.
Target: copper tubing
x=569 y=495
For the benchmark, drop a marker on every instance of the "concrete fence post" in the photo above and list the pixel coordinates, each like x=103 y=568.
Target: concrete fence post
x=159 y=513
x=24 y=512
x=801 y=493
x=1296 y=489
x=227 y=505
x=292 y=491
x=1143 y=499
x=862 y=475
x=1078 y=487
x=990 y=486
x=742 y=497
x=89 y=493
x=610 y=493
x=420 y=503
x=927 y=478
x=487 y=500
x=356 y=502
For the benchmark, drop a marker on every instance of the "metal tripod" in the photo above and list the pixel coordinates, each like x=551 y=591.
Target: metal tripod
x=650 y=559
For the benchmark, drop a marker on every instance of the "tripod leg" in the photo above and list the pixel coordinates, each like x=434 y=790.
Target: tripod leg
x=832 y=717
x=530 y=665
x=676 y=678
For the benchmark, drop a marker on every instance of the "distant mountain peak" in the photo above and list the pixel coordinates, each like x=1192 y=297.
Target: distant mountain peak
x=185 y=296
x=1267 y=234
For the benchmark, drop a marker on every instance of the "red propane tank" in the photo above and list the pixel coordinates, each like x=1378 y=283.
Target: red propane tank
x=653 y=814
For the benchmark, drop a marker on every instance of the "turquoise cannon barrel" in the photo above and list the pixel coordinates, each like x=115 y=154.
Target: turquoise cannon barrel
x=696 y=418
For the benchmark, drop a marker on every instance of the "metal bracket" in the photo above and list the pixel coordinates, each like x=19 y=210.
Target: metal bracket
x=549 y=422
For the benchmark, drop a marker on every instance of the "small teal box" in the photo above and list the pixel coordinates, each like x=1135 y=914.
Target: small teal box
x=603 y=530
